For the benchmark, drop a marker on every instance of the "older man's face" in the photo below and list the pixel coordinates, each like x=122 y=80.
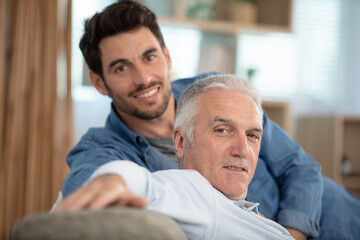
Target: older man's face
x=227 y=139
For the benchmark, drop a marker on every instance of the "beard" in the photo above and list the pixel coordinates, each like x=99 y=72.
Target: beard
x=121 y=104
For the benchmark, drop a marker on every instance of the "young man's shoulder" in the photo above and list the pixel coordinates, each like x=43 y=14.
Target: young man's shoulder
x=179 y=85
x=102 y=138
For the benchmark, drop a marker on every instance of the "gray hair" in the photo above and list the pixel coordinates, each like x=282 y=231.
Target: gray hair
x=187 y=110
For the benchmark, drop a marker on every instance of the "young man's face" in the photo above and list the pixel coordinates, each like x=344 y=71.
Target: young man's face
x=135 y=70
x=227 y=138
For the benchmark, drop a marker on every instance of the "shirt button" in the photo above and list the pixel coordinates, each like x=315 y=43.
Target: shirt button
x=139 y=139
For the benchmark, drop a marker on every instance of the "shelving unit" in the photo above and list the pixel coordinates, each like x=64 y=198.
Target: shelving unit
x=220 y=32
x=222 y=27
x=275 y=14
x=330 y=139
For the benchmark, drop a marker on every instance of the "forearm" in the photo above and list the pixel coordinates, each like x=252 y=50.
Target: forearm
x=296 y=234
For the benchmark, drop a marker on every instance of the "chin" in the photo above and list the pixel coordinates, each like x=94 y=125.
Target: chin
x=241 y=194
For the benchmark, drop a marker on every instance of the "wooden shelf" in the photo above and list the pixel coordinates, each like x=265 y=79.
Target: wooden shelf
x=222 y=27
x=221 y=30
x=270 y=16
x=329 y=139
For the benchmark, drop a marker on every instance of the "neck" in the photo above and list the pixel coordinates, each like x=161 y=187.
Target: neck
x=157 y=127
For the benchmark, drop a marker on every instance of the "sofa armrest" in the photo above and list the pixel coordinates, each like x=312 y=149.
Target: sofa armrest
x=110 y=223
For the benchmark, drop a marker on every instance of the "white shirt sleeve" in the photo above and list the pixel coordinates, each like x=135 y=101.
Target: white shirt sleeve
x=174 y=193
x=135 y=176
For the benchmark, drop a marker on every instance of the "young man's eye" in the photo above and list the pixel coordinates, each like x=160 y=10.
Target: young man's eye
x=121 y=68
x=150 y=58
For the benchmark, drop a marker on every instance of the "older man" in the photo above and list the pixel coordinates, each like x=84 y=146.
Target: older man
x=218 y=131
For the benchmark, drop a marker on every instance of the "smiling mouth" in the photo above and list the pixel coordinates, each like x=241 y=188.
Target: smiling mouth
x=148 y=94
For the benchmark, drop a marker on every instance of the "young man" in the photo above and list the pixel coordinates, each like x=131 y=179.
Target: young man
x=129 y=62
x=218 y=130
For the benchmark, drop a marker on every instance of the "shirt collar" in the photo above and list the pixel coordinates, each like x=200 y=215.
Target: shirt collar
x=247 y=206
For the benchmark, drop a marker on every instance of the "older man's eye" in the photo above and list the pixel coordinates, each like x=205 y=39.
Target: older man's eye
x=221 y=130
x=253 y=136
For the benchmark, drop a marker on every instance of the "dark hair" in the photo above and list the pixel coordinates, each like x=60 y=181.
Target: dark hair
x=120 y=17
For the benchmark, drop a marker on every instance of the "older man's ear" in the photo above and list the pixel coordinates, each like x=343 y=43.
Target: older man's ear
x=178 y=138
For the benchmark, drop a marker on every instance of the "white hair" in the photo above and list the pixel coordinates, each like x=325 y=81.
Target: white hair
x=187 y=110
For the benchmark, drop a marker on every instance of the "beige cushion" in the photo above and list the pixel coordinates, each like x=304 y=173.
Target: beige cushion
x=111 y=223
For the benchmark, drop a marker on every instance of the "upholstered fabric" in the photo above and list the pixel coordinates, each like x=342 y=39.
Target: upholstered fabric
x=111 y=223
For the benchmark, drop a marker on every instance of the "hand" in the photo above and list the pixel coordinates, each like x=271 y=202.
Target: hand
x=296 y=234
x=103 y=191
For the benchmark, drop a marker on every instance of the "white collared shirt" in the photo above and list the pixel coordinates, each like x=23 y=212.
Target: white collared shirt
x=201 y=211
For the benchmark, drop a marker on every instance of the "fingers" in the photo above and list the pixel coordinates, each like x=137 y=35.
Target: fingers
x=77 y=200
x=132 y=201
x=107 y=193
x=121 y=196
x=101 y=192
x=138 y=202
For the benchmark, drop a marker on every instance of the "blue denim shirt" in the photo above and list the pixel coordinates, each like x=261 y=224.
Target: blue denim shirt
x=287 y=182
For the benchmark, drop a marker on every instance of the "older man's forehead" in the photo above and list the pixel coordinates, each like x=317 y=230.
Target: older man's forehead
x=225 y=114
x=233 y=121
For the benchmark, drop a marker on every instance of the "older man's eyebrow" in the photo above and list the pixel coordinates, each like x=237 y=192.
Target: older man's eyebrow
x=220 y=119
x=259 y=130
x=224 y=120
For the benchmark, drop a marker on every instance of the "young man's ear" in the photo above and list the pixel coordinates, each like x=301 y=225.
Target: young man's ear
x=179 y=143
x=168 y=58
x=98 y=83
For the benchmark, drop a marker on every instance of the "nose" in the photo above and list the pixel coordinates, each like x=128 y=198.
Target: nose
x=142 y=76
x=240 y=146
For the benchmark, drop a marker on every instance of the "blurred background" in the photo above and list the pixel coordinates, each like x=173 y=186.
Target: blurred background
x=302 y=55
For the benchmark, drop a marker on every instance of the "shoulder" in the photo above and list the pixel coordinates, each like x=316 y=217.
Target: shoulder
x=100 y=145
x=179 y=86
x=96 y=137
x=105 y=138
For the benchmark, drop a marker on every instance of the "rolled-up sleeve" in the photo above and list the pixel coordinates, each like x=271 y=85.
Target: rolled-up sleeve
x=298 y=177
